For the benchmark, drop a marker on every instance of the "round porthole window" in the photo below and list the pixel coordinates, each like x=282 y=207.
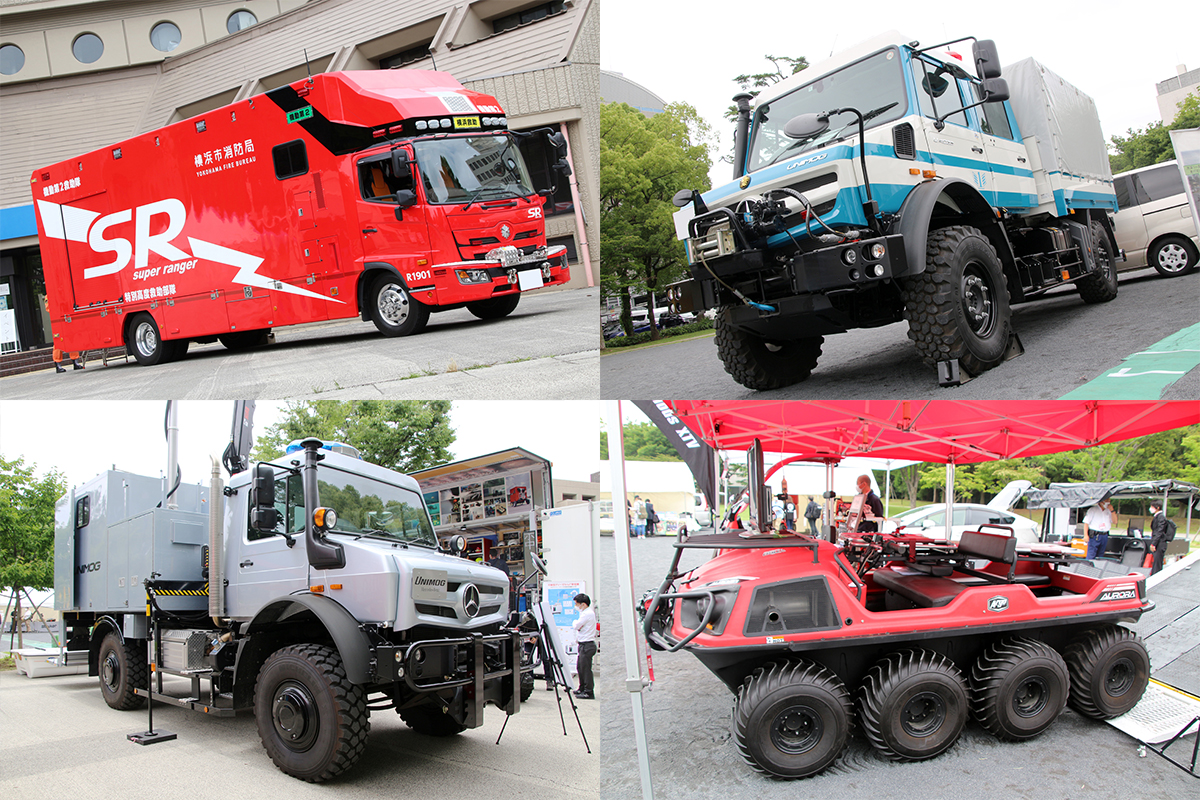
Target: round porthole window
x=165 y=36
x=239 y=21
x=12 y=58
x=88 y=47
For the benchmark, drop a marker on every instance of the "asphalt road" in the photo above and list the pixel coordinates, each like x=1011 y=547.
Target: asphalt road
x=1067 y=343
x=58 y=738
x=693 y=757
x=550 y=342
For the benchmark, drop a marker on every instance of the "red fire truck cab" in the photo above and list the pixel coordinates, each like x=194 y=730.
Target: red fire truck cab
x=385 y=195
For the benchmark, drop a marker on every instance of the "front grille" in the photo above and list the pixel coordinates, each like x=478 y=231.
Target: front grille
x=436 y=611
x=814 y=183
x=485 y=610
x=904 y=141
x=529 y=234
x=791 y=606
x=480 y=242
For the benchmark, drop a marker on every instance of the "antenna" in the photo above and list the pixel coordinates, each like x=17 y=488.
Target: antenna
x=307 y=66
x=434 y=60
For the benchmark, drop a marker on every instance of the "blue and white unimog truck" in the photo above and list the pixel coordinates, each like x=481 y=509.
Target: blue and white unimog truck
x=974 y=192
x=307 y=588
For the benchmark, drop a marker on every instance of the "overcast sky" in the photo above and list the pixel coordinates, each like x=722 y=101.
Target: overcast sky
x=690 y=50
x=83 y=438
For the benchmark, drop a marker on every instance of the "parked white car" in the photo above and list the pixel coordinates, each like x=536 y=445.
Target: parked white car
x=1154 y=226
x=931 y=520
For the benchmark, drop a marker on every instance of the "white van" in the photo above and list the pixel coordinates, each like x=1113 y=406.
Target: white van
x=1154 y=225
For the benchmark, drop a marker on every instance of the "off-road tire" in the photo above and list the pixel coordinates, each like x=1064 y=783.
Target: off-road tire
x=122 y=669
x=496 y=307
x=1019 y=686
x=959 y=306
x=913 y=704
x=394 y=310
x=527 y=686
x=244 y=340
x=1109 y=669
x=758 y=363
x=792 y=719
x=312 y=721
x=430 y=721
x=1100 y=287
x=1172 y=256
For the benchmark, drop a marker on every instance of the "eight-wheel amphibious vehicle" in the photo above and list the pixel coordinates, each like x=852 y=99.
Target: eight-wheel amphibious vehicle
x=903 y=634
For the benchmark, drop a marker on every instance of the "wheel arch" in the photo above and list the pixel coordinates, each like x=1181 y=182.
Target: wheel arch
x=370 y=271
x=104 y=626
x=1187 y=242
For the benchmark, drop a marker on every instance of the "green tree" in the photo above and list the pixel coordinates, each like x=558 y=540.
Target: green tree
x=27 y=526
x=1142 y=148
x=404 y=435
x=643 y=442
x=784 y=67
x=644 y=161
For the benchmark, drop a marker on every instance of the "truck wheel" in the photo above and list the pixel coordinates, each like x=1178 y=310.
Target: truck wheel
x=958 y=308
x=913 y=705
x=143 y=340
x=1100 y=287
x=791 y=720
x=496 y=307
x=312 y=721
x=394 y=311
x=757 y=363
x=430 y=721
x=1173 y=256
x=1018 y=687
x=527 y=686
x=1109 y=670
x=122 y=669
x=244 y=340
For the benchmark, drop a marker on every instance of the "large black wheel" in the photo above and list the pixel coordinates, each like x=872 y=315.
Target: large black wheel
x=1100 y=286
x=527 y=686
x=430 y=721
x=122 y=669
x=913 y=705
x=791 y=720
x=145 y=342
x=1172 y=256
x=394 y=310
x=245 y=340
x=496 y=307
x=312 y=721
x=1109 y=669
x=758 y=363
x=958 y=307
x=1019 y=687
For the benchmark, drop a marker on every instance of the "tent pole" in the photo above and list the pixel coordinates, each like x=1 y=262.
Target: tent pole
x=949 y=497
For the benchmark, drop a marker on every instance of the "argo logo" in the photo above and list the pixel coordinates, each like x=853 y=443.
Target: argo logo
x=997 y=603
x=80 y=225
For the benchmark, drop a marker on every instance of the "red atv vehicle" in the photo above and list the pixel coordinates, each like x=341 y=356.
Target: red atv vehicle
x=903 y=634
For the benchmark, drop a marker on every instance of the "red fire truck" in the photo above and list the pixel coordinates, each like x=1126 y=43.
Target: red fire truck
x=385 y=195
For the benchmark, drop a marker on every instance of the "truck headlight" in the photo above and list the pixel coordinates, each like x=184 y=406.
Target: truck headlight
x=876 y=251
x=325 y=518
x=470 y=276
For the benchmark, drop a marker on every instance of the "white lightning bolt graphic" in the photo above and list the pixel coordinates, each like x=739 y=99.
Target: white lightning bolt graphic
x=247 y=264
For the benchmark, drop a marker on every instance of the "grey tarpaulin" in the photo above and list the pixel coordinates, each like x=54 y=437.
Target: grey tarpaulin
x=1083 y=495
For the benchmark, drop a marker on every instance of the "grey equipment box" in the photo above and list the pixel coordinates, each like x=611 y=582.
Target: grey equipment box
x=109 y=536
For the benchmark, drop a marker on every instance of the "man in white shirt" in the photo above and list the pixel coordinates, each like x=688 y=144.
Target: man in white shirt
x=1096 y=524
x=585 y=634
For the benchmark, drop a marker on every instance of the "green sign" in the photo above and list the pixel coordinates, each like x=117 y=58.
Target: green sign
x=299 y=114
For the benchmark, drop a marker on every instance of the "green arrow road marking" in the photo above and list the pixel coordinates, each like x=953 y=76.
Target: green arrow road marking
x=1145 y=375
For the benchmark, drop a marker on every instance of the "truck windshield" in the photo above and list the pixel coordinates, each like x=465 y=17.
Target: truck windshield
x=874 y=86
x=370 y=508
x=472 y=168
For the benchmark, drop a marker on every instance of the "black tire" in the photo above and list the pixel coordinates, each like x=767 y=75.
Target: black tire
x=312 y=721
x=527 y=686
x=244 y=340
x=1019 y=686
x=144 y=341
x=959 y=307
x=1172 y=256
x=394 y=310
x=122 y=669
x=496 y=307
x=758 y=363
x=1109 y=668
x=1100 y=287
x=913 y=705
x=792 y=719
x=430 y=721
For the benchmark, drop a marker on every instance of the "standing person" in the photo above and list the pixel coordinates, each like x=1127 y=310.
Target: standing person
x=585 y=634
x=1159 y=525
x=651 y=518
x=812 y=513
x=639 y=517
x=872 y=503
x=1096 y=524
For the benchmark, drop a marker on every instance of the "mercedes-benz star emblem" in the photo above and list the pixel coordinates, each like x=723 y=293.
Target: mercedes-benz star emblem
x=471 y=600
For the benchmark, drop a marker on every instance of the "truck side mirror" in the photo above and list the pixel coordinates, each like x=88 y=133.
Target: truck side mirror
x=995 y=90
x=562 y=168
x=987 y=61
x=806 y=126
x=263 y=514
x=559 y=144
x=406 y=198
x=400 y=161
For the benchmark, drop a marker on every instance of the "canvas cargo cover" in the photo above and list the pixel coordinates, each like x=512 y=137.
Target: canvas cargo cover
x=1082 y=495
x=1063 y=119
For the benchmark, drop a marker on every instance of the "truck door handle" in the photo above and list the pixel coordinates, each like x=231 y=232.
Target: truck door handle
x=1021 y=159
x=370 y=230
x=976 y=149
x=246 y=563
